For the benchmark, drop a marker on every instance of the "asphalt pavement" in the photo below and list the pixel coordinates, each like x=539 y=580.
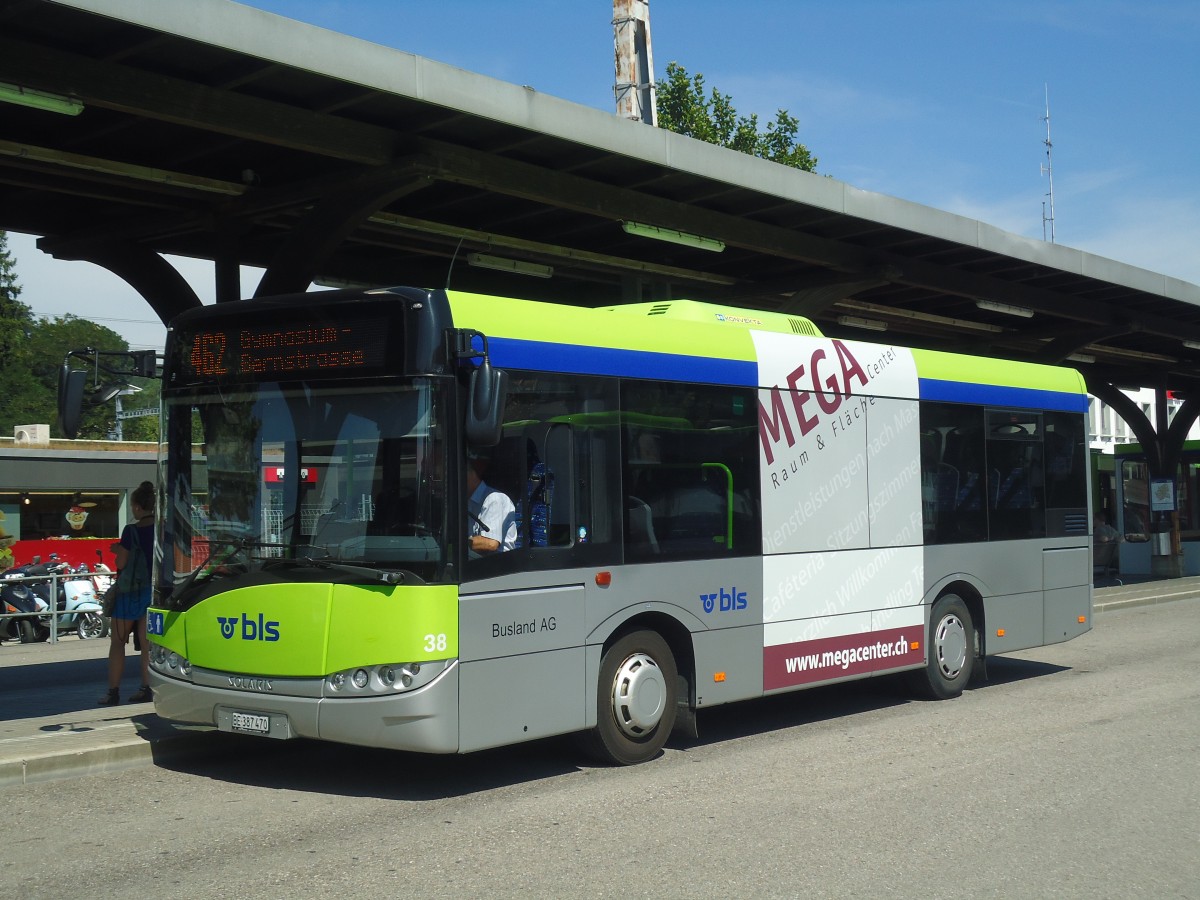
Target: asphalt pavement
x=51 y=726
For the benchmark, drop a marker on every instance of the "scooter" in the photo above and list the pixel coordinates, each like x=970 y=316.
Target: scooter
x=103 y=578
x=17 y=597
x=50 y=585
x=79 y=607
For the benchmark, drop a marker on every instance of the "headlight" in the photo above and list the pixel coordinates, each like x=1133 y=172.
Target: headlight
x=373 y=681
x=168 y=662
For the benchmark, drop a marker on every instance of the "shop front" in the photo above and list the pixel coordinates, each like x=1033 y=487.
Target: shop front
x=69 y=499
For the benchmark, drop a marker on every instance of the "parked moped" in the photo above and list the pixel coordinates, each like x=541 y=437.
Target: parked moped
x=79 y=605
x=17 y=600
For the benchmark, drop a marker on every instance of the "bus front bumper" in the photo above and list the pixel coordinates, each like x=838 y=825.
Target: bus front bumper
x=422 y=721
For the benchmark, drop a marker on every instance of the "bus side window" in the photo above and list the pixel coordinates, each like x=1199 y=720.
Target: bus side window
x=691 y=471
x=554 y=462
x=952 y=455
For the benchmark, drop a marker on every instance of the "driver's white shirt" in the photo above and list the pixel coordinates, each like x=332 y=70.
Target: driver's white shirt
x=496 y=511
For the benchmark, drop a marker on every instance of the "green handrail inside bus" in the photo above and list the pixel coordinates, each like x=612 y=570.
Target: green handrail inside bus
x=728 y=500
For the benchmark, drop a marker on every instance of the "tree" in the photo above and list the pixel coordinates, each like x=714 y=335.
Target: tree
x=15 y=317
x=50 y=340
x=29 y=379
x=31 y=355
x=683 y=108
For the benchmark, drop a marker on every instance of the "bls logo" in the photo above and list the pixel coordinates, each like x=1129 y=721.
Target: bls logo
x=251 y=630
x=729 y=600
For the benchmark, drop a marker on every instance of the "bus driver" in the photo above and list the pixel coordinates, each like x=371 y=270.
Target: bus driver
x=491 y=515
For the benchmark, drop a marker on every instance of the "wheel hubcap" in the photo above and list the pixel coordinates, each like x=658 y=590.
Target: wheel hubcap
x=950 y=644
x=639 y=695
x=90 y=626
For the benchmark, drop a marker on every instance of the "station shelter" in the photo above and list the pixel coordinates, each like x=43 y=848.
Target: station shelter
x=1140 y=497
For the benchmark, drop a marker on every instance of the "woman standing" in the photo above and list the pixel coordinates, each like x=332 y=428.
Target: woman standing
x=137 y=546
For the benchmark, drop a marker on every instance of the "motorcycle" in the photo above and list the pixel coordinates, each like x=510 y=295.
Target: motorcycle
x=17 y=598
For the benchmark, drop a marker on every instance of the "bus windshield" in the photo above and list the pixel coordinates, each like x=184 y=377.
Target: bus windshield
x=304 y=472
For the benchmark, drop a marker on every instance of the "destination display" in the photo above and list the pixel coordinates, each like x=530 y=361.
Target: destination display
x=271 y=352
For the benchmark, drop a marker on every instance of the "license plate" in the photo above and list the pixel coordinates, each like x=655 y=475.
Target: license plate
x=251 y=723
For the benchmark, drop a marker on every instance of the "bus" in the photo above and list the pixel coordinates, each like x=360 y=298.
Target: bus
x=711 y=505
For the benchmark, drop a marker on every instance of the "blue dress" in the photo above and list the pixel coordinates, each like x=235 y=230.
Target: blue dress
x=133 y=605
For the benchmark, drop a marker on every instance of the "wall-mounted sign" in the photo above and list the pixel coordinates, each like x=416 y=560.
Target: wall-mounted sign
x=1162 y=494
x=277 y=475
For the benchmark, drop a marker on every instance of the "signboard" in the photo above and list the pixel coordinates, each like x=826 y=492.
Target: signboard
x=1162 y=494
x=277 y=475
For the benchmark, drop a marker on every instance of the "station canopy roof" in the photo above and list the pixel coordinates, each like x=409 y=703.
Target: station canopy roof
x=212 y=130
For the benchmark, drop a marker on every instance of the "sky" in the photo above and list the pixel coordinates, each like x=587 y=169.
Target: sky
x=940 y=102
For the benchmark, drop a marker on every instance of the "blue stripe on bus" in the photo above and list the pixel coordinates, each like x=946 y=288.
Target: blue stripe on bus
x=546 y=357
x=1002 y=395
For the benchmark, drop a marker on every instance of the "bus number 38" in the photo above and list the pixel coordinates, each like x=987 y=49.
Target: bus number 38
x=435 y=642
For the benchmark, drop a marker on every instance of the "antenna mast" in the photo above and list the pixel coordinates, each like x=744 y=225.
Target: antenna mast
x=634 y=86
x=1048 y=169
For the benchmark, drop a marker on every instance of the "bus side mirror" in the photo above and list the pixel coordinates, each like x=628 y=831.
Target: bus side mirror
x=71 y=385
x=485 y=405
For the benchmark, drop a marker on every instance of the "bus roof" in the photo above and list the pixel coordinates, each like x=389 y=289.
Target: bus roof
x=715 y=314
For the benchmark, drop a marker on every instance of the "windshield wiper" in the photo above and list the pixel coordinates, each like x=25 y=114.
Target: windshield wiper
x=237 y=545
x=384 y=576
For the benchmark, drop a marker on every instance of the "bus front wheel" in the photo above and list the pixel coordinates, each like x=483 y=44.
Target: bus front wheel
x=636 y=699
x=950 y=654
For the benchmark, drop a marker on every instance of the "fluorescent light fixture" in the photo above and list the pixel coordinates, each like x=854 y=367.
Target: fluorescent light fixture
x=1192 y=345
x=857 y=322
x=674 y=237
x=515 y=266
x=912 y=315
x=1082 y=358
x=23 y=96
x=1006 y=308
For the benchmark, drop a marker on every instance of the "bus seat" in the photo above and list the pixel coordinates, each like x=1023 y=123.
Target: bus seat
x=1105 y=558
x=641 y=526
x=946 y=487
x=539 y=498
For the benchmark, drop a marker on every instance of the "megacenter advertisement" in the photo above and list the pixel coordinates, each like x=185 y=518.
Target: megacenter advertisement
x=839 y=431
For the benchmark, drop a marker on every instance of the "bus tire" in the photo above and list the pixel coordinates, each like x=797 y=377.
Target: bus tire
x=636 y=700
x=950 y=654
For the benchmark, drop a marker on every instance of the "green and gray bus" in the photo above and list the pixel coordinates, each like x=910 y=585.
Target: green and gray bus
x=712 y=505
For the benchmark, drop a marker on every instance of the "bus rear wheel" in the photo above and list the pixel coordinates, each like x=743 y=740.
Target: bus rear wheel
x=636 y=700
x=950 y=654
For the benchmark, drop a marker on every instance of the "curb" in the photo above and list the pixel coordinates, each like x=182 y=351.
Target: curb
x=1148 y=599
x=56 y=766
x=159 y=744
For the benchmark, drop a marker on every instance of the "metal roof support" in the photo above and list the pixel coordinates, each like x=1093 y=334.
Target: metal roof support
x=159 y=283
x=328 y=223
x=1075 y=339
